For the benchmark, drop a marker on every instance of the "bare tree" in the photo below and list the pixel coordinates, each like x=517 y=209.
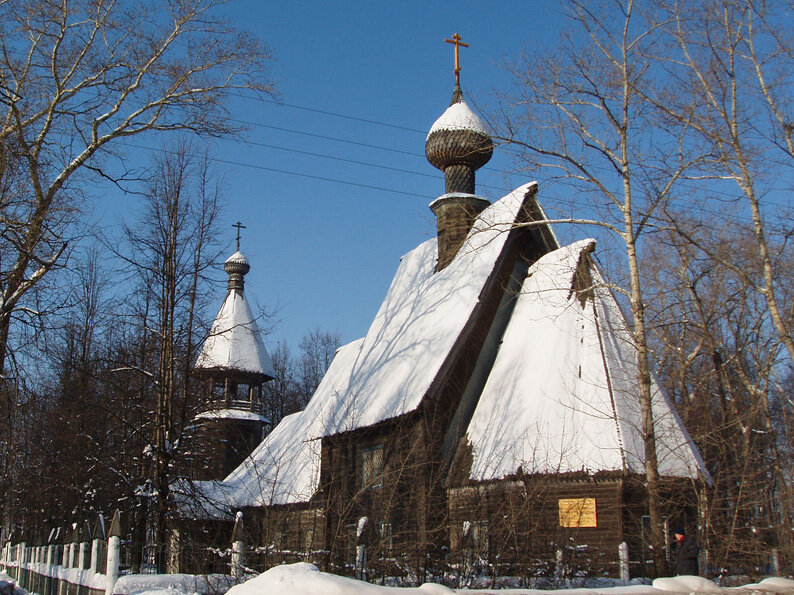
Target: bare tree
x=75 y=78
x=317 y=350
x=732 y=66
x=717 y=357
x=580 y=115
x=170 y=251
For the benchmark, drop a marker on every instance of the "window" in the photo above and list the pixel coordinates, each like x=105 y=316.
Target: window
x=372 y=467
x=577 y=512
x=479 y=534
x=307 y=539
x=386 y=540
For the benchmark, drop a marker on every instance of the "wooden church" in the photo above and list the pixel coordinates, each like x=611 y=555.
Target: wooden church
x=489 y=418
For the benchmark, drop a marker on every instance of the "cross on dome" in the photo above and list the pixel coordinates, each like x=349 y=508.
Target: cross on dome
x=239 y=226
x=456 y=41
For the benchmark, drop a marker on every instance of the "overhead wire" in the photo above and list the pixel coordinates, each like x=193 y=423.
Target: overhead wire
x=353 y=161
x=283 y=171
x=697 y=208
x=369 y=121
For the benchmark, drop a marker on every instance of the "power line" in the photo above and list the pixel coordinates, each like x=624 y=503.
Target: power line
x=389 y=125
x=698 y=208
x=284 y=171
x=326 y=112
x=341 y=140
x=343 y=116
x=336 y=158
x=357 y=162
x=325 y=137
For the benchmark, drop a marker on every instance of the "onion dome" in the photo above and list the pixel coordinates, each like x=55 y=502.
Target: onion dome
x=458 y=144
x=236 y=266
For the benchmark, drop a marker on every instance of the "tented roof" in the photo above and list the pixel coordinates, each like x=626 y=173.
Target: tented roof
x=562 y=394
x=234 y=342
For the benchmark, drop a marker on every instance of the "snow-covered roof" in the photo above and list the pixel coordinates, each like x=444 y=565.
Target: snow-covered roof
x=235 y=342
x=240 y=414
x=562 y=394
x=285 y=467
x=459 y=116
x=420 y=320
x=238 y=258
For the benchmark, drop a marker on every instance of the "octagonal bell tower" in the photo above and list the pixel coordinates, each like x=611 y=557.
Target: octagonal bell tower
x=233 y=366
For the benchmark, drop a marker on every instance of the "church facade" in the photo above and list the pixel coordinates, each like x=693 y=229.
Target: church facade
x=488 y=422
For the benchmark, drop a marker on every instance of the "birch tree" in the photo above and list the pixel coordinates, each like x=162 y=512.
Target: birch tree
x=731 y=64
x=579 y=115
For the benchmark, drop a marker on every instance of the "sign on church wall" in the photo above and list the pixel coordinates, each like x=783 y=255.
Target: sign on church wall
x=577 y=512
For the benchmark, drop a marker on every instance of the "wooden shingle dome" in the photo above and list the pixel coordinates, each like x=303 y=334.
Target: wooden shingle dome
x=458 y=144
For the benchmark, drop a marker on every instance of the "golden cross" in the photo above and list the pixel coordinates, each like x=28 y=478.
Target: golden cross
x=239 y=226
x=456 y=41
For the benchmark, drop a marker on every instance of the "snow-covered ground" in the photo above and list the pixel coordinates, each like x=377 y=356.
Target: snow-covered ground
x=306 y=579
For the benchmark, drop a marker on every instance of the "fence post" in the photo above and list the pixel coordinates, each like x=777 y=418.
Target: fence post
x=623 y=556
x=73 y=550
x=238 y=548
x=21 y=563
x=48 y=575
x=38 y=557
x=96 y=538
x=65 y=549
x=114 y=548
x=81 y=548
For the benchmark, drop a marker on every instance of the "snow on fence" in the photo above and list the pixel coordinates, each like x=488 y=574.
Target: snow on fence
x=91 y=564
x=80 y=564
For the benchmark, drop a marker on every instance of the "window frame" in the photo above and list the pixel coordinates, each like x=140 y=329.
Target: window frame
x=376 y=476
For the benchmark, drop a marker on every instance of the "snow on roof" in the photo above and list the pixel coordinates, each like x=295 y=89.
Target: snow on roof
x=231 y=414
x=234 y=342
x=238 y=257
x=386 y=373
x=420 y=320
x=285 y=467
x=562 y=392
x=459 y=116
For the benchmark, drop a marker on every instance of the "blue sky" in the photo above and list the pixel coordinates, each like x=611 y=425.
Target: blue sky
x=323 y=252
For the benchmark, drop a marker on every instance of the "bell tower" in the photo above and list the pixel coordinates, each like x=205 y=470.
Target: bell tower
x=233 y=366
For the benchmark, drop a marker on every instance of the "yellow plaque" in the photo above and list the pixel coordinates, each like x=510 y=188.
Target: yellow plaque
x=577 y=512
